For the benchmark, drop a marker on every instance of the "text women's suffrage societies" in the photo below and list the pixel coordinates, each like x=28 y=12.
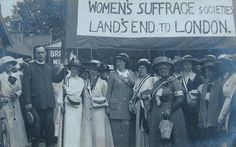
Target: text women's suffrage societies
x=156 y=18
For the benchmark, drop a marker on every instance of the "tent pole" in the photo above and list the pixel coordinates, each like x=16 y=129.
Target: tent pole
x=178 y=53
x=91 y=54
x=163 y=52
x=149 y=54
x=77 y=52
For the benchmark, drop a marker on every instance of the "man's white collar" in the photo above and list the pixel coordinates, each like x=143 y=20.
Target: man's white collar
x=40 y=62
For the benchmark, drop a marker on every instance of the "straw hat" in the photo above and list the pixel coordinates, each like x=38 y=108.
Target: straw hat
x=8 y=59
x=188 y=58
x=145 y=62
x=94 y=64
x=160 y=60
x=208 y=58
x=124 y=57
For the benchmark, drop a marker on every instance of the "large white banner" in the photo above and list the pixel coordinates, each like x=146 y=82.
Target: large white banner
x=155 y=18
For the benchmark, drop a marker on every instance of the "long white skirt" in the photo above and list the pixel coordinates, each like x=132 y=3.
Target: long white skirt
x=72 y=126
x=14 y=123
x=96 y=129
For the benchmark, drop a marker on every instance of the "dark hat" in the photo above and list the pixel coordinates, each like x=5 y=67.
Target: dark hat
x=176 y=60
x=32 y=116
x=160 y=60
x=190 y=58
x=76 y=65
x=144 y=62
x=94 y=64
x=207 y=65
x=210 y=65
x=124 y=57
x=105 y=67
x=208 y=58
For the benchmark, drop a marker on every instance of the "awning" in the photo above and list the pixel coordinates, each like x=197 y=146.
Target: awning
x=18 y=46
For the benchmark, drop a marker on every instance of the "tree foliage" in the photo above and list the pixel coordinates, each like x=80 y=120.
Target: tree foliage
x=42 y=17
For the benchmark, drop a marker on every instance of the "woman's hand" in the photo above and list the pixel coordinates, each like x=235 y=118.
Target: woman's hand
x=107 y=111
x=13 y=97
x=166 y=113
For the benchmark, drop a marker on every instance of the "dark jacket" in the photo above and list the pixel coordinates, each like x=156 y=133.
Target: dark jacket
x=119 y=95
x=37 y=85
x=210 y=110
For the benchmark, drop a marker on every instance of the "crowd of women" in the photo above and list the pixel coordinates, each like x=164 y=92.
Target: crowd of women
x=167 y=103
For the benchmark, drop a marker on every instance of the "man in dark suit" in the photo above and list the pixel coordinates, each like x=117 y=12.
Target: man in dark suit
x=38 y=93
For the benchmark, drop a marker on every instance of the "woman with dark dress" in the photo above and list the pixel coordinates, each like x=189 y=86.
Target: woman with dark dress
x=190 y=81
x=166 y=99
x=211 y=99
x=119 y=94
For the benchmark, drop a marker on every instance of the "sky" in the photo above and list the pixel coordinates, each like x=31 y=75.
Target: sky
x=7 y=6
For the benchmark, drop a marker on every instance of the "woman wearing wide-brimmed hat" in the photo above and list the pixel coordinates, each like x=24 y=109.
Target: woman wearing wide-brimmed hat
x=166 y=99
x=73 y=88
x=10 y=111
x=106 y=69
x=119 y=93
x=227 y=118
x=211 y=101
x=96 y=129
x=140 y=106
x=190 y=81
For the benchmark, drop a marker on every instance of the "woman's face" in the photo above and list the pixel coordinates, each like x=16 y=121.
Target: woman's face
x=120 y=63
x=93 y=73
x=164 y=70
x=9 y=67
x=187 y=66
x=74 y=71
x=210 y=73
x=142 y=70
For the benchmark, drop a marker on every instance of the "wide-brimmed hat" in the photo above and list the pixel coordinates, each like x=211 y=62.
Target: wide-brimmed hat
x=8 y=59
x=124 y=57
x=189 y=58
x=76 y=65
x=32 y=116
x=106 y=67
x=223 y=59
x=176 y=60
x=209 y=65
x=94 y=64
x=161 y=60
x=208 y=58
x=145 y=62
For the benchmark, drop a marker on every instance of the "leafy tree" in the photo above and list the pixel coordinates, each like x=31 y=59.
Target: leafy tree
x=42 y=17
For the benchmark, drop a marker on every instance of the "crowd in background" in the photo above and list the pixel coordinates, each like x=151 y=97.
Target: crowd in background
x=177 y=102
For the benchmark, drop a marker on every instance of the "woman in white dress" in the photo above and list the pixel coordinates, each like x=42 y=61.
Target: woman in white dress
x=10 y=111
x=73 y=87
x=96 y=129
